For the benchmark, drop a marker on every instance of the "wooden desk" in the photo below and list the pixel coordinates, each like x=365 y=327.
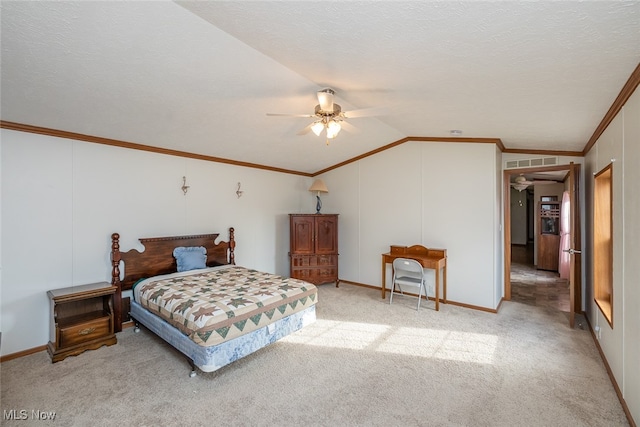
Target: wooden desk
x=435 y=259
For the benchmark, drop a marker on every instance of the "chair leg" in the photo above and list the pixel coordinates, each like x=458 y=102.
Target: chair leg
x=419 y=296
x=426 y=295
x=393 y=286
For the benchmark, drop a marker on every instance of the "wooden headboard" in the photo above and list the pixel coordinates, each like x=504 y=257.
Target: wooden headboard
x=157 y=258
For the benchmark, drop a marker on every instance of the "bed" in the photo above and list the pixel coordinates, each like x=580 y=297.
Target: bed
x=189 y=291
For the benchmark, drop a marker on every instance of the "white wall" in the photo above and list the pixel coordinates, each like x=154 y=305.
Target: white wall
x=620 y=343
x=439 y=195
x=631 y=275
x=62 y=200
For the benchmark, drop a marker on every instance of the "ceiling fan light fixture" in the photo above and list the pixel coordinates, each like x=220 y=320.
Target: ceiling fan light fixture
x=328 y=116
x=333 y=128
x=317 y=127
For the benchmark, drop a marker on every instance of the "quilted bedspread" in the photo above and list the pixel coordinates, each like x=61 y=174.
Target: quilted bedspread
x=217 y=304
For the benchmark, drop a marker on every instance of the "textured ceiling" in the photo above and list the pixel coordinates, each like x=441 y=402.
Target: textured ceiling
x=200 y=76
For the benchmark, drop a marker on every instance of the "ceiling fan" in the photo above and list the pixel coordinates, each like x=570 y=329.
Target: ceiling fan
x=330 y=117
x=520 y=182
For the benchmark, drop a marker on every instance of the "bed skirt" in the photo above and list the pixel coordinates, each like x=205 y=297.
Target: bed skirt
x=209 y=359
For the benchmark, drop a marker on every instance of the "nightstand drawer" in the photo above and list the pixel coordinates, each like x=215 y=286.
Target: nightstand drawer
x=84 y=331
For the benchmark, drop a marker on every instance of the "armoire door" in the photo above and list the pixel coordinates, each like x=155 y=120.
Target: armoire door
x=326 y=234
x=302 y=232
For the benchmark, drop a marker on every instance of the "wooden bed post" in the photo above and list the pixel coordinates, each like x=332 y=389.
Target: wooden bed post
x=232 y=245
x=115 y=280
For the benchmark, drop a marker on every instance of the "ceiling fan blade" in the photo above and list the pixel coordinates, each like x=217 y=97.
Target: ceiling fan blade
x=290 y=115
x=521 y=180
x=325 y=99
x=543 y=182
x=305 y=130
x=519 y=187
x=366 y=112
x=349 y=127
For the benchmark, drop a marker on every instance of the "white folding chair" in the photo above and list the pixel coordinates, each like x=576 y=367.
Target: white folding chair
x=408 y=272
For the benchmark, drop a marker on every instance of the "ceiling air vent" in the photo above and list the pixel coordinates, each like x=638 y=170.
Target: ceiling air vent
x=529 y=163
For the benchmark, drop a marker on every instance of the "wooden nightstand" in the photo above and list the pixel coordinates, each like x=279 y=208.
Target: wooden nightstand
x=82 y=319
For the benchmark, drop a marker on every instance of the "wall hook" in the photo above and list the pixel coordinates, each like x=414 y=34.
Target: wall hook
x=185 y=187
x=239 y=192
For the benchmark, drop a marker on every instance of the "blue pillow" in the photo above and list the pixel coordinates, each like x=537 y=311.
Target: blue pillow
x=190 y=258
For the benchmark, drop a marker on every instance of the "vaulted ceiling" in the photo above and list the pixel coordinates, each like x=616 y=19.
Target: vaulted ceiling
x=199 y=77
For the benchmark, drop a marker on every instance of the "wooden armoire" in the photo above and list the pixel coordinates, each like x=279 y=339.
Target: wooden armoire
x=548 y=235
x=313 y=252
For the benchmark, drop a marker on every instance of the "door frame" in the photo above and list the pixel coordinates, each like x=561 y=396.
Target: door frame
x=576 y=294
x=575 y=280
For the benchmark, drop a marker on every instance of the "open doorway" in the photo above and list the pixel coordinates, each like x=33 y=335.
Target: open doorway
x=536 y=287
x=532 y=236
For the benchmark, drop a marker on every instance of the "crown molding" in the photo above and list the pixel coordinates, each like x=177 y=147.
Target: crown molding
x=134 y=146
x=543 y=152
x=496 y=141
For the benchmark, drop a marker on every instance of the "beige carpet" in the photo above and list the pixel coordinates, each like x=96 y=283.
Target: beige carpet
x=363 y=363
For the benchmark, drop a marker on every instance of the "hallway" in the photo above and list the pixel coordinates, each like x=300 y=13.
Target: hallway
x=536 y=287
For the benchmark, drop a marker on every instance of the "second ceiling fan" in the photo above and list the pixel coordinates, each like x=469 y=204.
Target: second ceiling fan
x=330 y=117
x=521 y=183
